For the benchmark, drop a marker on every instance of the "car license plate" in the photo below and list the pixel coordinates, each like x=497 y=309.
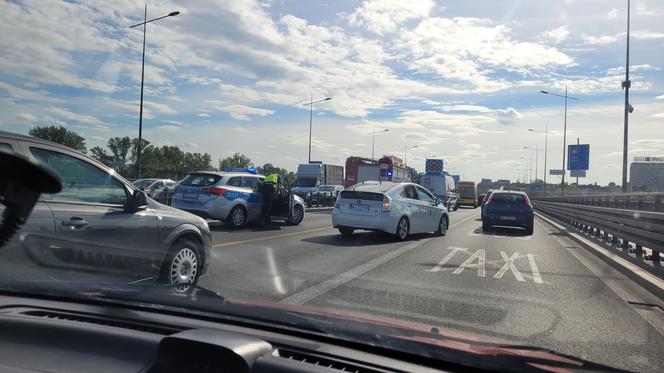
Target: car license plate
x=508 y=218
x=359 y=207
x=190 y=195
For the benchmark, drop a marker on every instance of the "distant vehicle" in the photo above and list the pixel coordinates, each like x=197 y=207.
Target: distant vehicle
x=387 y=168
x=99 y=214
x=331 y=192
x=467 y=194
x=312 y=175
x=397 y=208
x=508 y=208
x=443 y=187
x=155 y=187
x=234 y=198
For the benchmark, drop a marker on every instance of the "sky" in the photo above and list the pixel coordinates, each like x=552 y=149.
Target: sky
x=458 y=80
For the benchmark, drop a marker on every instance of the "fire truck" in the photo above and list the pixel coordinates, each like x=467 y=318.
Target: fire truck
x=387 y=168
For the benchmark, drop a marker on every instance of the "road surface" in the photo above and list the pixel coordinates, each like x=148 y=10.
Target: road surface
x=542 y=290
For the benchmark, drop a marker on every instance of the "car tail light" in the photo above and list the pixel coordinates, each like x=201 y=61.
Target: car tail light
x=526 y=200
x=387 y=203
x=489 y=200
x=337 y=204
x=214 y=191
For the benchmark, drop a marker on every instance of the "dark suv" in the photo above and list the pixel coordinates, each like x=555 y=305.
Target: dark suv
x=101 y=226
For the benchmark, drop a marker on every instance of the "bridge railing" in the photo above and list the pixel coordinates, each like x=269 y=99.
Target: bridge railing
x=627 y=201
x=643 y=227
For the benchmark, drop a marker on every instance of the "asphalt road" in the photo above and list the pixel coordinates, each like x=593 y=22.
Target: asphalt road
x=542 y=290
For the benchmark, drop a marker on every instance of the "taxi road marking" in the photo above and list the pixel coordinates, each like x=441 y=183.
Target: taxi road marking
x=478 y=261
x=269 y=237
x=479 y=232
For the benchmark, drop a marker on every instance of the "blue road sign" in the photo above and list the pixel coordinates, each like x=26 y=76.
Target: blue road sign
x=578 y=157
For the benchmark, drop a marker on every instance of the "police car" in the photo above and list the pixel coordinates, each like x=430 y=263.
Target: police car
x=233 y=196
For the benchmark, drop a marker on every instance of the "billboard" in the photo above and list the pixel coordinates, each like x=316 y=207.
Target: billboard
x=578 y=157
x=557 y=172
x=577 y=173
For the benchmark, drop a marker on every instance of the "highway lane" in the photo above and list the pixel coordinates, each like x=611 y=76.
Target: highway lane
x=542 y=290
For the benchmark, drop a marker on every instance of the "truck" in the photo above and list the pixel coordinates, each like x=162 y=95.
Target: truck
x=312 y=175
x=387 y=168
x=468 y=194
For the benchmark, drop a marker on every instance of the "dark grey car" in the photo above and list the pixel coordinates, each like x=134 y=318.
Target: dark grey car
x=101 y=226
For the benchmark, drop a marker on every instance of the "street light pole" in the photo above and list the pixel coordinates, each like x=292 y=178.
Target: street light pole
x=536 y=149
x=626 y=84
x=140 y=114
x=566 y=97
x=373 y=138
x=405 y=153
x=311 y=117
x=546 y=150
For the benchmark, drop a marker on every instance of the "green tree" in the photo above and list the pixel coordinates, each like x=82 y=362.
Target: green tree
x=236 y=160
x=197 y=162
x=118 y=159
x=269 y=168
x=61 y=135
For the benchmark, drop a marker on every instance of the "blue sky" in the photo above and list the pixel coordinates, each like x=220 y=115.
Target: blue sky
x=458 y=79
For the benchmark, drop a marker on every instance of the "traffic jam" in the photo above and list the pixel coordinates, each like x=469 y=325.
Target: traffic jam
x=367 y=194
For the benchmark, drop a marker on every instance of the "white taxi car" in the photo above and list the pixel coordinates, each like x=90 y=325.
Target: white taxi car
x=397 y=208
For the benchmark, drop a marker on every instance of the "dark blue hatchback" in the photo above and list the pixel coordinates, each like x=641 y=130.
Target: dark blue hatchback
x=508 y=208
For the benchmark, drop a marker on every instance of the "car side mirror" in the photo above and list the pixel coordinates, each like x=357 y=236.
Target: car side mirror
x=137 y=201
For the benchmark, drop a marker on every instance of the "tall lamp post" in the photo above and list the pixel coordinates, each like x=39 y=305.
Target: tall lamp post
x=373 y=138
x=530 y=168
x=536 y=150
x=140 y=115
x=311 y=117
x=546 y=141
x=628 y=108
x=566 y=97
x=405 y=152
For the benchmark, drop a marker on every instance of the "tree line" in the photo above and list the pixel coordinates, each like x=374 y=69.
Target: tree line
x=167 y=161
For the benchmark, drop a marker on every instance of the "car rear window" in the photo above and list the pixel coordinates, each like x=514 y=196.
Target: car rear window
x=508 y=198
x=201 y=180
x=374 y=188
x=369 y=196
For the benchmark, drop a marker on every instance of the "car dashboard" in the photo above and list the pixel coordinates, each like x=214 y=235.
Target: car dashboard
x=54 y=336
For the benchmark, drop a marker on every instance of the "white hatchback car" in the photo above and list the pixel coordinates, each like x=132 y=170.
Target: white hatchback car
x=400 y=209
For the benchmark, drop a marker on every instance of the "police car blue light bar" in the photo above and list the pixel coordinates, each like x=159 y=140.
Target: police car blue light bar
x=250 y=170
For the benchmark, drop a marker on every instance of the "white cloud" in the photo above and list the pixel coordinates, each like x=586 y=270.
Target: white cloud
x=27 y=118
x=82 y=118
x=660 y=97
x=385 y=16
x=599 y=40
x=612 y=14
x=658 y=115
x=203 y=115
x=646 y=35
x=556 y=35
x=240 y=112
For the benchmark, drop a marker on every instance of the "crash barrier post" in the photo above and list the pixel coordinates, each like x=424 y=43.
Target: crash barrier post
x=617 y=226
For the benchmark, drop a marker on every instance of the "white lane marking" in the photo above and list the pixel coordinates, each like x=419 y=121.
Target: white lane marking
x=469 y=263
x=645 y=275
x=321 y=288
x=509 y=265
x=447 y=258
x=534 y=270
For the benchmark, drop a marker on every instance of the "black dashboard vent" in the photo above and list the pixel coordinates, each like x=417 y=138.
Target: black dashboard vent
x=327 y=362
x=146 y=328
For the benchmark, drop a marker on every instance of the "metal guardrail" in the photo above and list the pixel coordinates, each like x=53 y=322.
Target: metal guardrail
x=627 y=201
x=616 y=225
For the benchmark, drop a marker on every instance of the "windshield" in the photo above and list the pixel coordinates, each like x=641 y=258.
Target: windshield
x=305 y=182
x=401 y=104
x=143 y=183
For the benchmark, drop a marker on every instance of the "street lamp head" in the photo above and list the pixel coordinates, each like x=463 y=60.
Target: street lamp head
x=173 y=14
x=545 y=92
x=385 y=130
x=531 y=130
x=328 y=98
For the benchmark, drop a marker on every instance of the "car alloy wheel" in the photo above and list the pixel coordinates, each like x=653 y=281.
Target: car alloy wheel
x=238 y=216
x=402 y=229
x=184 y=267
x=297 y=216
x=442 y=226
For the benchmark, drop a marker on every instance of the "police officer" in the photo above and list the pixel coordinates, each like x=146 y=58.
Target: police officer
x=268 y=190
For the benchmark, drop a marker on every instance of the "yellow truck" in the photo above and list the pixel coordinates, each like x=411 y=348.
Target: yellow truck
x=467 y=194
